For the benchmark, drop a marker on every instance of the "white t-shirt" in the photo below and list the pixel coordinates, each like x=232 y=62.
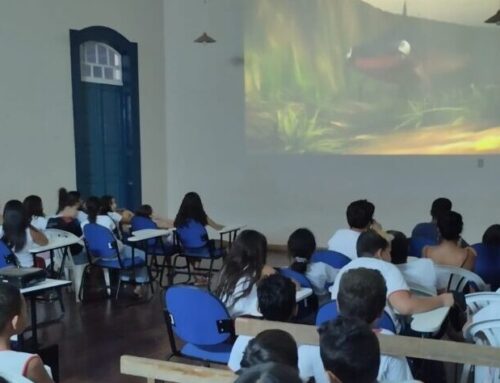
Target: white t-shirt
x=39 y=223
x=420 y=272
x=320 y=274
x=116 y=217
x=248 y=305
x=15 y=363
x=24 y=257
x=102 y=220
x=82 y=216
x=344 y=241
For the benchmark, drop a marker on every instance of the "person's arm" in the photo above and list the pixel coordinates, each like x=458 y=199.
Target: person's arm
x=36 y=372
x=407 y=304
x=214 y=224
x=267 y=271
x=38 y=237
x=163 y=223
x=127 y=216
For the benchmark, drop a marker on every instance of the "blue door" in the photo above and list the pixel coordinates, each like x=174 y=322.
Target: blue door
x=106 y=115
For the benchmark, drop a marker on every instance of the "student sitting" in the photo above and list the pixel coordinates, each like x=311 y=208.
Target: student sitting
x=64 y=195
x=359 y=217
x=374 y=253
x=350 y=351
x=110 y=208
x=491 y=236
x=243 y=267
x=301 y=247
x=449 y=251
x=146 y=212
x=18 y=234
x=269 y=373
x=420 y=272
x=13 y=322
x=429 y=230
x=34 y=209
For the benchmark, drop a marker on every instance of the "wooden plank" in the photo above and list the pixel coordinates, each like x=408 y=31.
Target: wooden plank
x=395 y=345
x=172 y=372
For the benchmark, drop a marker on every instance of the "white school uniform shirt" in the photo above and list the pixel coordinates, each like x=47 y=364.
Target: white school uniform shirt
x=15 y=363
x=344 y=241
x=102 y=220
x=320 y=274
x=394 y=279
x=420 y=272
x=248 y=305
x=39 y=223
x=116 y=217
x=82 y=216
x=24 y=257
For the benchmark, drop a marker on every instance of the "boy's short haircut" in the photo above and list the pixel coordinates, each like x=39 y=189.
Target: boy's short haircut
x=362 y=294
x=276 y=295
x=10 y=304
x=360 y=214
x=350 y=350
x=269 y=373
x=399 y=247
x=440 y=206
x=369 y=242
x=276 y=346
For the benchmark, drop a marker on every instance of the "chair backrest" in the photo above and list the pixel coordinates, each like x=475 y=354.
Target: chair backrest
x=7 y=257
x=193 y=235
x=301 y=279
x=141 y=223
x=330 y=311
x=197 y=316
x=487 y=264
x=457 y=279
x=477 y=301
x=100 y=241
x=332 y=258
x=417 y=244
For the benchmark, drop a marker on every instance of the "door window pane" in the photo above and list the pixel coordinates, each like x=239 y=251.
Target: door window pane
x=100 y=63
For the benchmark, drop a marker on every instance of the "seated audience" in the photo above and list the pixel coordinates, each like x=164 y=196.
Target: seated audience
x=18 y=234
x=269 y=373
x=64 y=195
x=301 y=247
x=418 y=272
x=13 y=322
x=359 y=217
x=449 y=252
x=429 y=230
x=374 y=253
x=146 y=212
x=110 y=208
x=350 y=351
x=34 y=209
x=491 y=236
x=243 y=267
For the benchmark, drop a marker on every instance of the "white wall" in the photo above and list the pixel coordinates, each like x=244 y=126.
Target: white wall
x=276 y=194
x=36 y=117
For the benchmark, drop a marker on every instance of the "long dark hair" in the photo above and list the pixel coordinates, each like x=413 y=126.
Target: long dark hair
x=301 y=246
x=66 y=198
x=33 y=206
x=246 y=259
x=106 y=202
x=15 y=223
x=93 y=208
x=191 y=208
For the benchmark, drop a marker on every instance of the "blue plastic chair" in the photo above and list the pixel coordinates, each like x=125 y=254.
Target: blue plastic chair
x=102 y=251
x=329 y=311
x=194 y=244
x=301 y=279
x=487 y=264
x=417 y=244
x=332 y=258
x=307 y=307
x=200 y=320
x=7 y=257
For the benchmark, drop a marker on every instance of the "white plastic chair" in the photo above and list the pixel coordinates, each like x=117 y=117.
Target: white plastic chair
x=422 y=291
x=71 y=271
x=456 y=278
x=477 y=301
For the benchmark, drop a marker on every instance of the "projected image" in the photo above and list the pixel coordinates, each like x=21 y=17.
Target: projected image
x=372 y=77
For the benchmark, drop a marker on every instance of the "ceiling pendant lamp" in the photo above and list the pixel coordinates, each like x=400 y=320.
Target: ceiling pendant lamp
x=205 y=38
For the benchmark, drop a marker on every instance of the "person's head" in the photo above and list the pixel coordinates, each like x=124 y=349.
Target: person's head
x=301 y=246
x=12 y=311
x=68 y=202
x=276 y=296
x=349 y=350
x=440 y=206
x=93 y=205
x=491 y=236
x=108 y=204
x=15 y=223
x=399 y=247
x=269 y=373
x=191 y=209
x=245 y=259
x=145 y=211
x=362 y=295
x=360 y=214
x=372 y=244
x=276 y=346
x=33 y=206
x=450 y=226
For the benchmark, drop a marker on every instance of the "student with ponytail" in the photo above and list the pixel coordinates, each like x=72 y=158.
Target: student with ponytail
x=75 y=197
x=301 y=247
